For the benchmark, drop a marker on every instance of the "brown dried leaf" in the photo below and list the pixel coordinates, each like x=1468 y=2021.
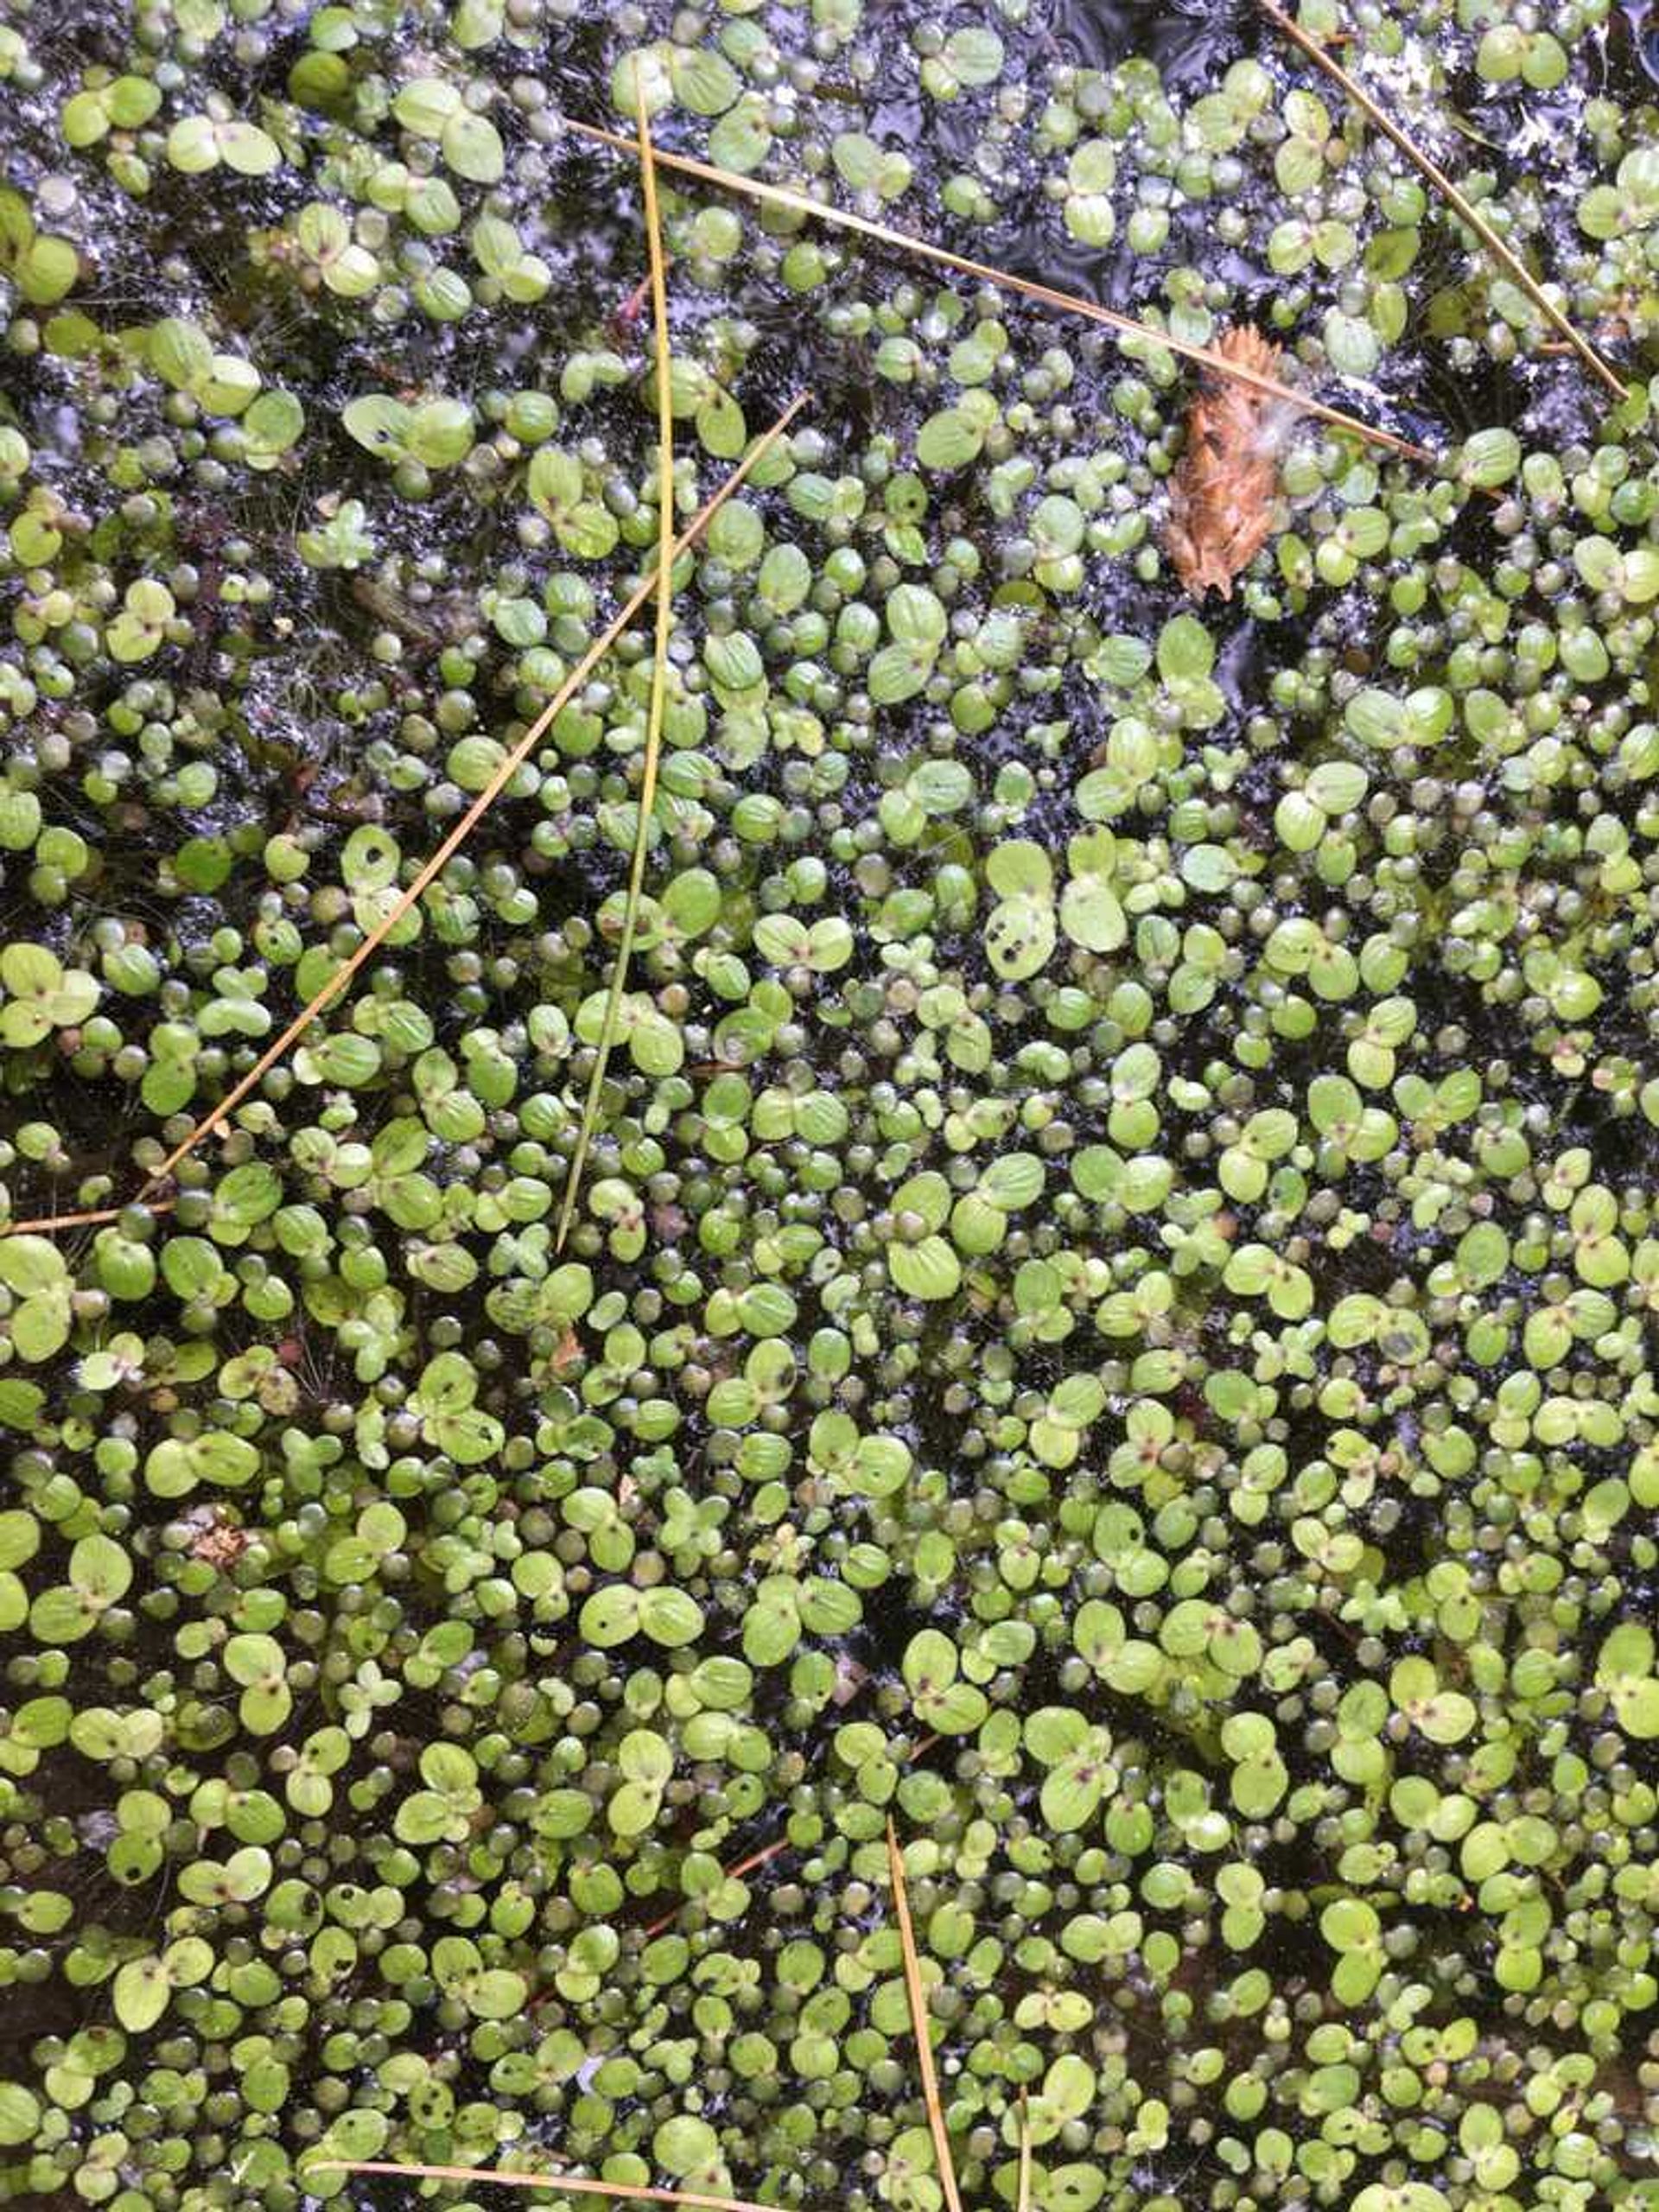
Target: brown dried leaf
x=1221 y=505
x=216 y=1540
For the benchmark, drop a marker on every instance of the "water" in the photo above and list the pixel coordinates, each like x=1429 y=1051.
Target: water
x=298 y=759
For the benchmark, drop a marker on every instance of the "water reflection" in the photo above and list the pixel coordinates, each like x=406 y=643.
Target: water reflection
x=1644 y=34
x=1185 y=38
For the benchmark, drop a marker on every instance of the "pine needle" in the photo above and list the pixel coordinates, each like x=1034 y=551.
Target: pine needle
x=778 y=196
x=1465 y=210
x=1022 y=2202
x=574 y=2184
x=918 y=2024
x=660 y=1926
x=658 y=666
x=735 y=1872
x=52 y=1223
x=476 y=813
x=762 y=1857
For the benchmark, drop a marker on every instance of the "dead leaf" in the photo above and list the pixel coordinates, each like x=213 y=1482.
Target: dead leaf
x=217 y=1541
x=1221 y=505
x=566 y=1353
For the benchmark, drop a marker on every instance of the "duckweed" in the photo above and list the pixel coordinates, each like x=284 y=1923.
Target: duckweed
x=1109 y=1317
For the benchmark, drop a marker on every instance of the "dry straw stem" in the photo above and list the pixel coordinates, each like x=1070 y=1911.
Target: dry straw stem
x=480 y=806
x=762 y=1857
x=778 y=196
x=51 y=1223
x=1465 y=209
x=1023 y=2201
x=918 y=2024
x=572 y=2185
x=735 y=1872
x=658 y=668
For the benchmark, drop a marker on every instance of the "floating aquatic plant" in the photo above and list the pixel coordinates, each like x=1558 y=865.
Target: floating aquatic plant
x=1092 y=310
x=1487 y=63
x=979 y=1527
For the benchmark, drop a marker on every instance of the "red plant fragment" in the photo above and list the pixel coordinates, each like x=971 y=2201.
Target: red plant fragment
x=1222 y=503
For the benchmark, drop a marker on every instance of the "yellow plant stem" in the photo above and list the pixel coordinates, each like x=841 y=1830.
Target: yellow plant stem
x=658 y=668
x=919 y=2024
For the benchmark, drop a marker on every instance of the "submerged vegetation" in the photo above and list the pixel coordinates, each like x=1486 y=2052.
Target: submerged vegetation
x=1014 y=1395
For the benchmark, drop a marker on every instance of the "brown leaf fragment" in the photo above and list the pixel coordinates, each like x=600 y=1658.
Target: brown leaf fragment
x=566 y=1353
x=217 y=1541
x=1222 y=501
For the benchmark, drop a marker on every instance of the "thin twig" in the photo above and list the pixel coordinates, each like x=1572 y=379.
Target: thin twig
x=476 y=811
x=763 y=1856
x=918 y=2024
x=51 y=1223
x=1464 y=207
x=576 y=2184
x=1022 y=2202
x=1067 y=303
x=658 y=670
